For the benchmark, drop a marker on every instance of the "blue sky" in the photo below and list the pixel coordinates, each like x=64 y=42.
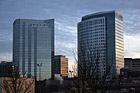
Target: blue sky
x=67 y=13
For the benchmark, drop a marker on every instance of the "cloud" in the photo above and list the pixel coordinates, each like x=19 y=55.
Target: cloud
x=131 y=22
x=65 y=40
x=132 y=45
x=5 y=56
x=67 y=14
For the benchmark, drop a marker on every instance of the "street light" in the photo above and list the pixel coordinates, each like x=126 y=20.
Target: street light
x=71 y=73
x=39 y=65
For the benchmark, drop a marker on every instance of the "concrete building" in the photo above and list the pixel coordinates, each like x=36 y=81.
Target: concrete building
x=33 y=47
x=130 y=74
x=100 y=36
x=132 y=63
x=6 y=69
x=131 y=69
x=61 y=65
x=18 y=85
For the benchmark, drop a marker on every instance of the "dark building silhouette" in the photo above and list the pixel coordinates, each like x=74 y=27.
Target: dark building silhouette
x=130 y=74
x=6 y=69
x=132 y=63
x=131 y=68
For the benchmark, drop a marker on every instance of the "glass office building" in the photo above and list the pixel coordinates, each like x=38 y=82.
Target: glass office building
x=102 y=34
x=33 y=45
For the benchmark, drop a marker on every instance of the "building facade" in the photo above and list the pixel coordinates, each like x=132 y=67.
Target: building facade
x=33 y=47
x=6 y=69
x=132 y=63
x=18 y=85
x=61 y=65
x=130 y=73
x=100 y=36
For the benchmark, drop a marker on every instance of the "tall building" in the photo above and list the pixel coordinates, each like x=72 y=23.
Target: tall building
x=61 y=65
x=6 y=69
x=33 y=47
x=100 y=35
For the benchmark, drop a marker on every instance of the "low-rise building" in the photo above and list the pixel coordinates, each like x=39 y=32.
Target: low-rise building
x=17 y=85
x=61 y=65
x=132 y=63
x=6 y=69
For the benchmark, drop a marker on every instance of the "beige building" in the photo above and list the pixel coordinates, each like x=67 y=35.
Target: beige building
x=19 y=85
x=61 y=65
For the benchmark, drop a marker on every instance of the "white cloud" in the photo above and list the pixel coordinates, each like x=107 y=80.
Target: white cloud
x=132 y=45
x=65 y=38
x=131 y=21
x=67 y=14
x=66 y=28
x=5 y=57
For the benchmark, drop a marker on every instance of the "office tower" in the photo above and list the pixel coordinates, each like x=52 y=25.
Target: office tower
x=6 y=69
x=61 y=65
x=33 y=47
x=100 y=36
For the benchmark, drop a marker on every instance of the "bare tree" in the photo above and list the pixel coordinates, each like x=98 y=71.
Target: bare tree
x=89 y=79
x=17 y=84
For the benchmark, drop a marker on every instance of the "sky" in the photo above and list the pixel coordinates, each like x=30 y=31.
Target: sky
x=67 y=13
